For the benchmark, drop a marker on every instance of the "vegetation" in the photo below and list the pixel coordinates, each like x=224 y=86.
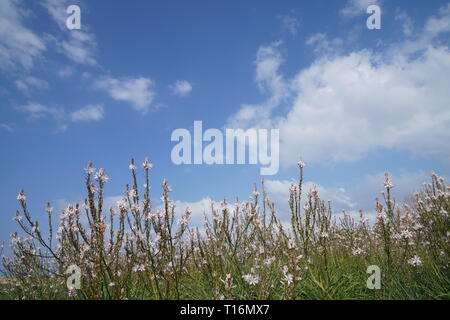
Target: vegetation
x=243 y=251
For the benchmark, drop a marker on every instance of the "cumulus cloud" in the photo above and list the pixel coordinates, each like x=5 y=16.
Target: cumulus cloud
x=136 y=91
x=181 y=88
x=19 y=46
x=344 y=106
x=88 y=113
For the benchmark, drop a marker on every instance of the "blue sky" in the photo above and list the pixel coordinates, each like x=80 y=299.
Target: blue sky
x=353 y=102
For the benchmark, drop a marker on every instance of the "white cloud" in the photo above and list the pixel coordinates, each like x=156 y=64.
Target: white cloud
x=181 y=88
x=357 y=7
x=19 y=46
x=78 y=45
x=406 y=21
x=7 y=127
x=289 y=23
x=36 y=110
x=440 y=23
x=137 y=91
x=65 y=72
x=27 y=83
x=268 y=78
x=88 y=113
x=347 y=105
x=323 y=45
x=269 y=81
x=61 y=117
x=57 y=10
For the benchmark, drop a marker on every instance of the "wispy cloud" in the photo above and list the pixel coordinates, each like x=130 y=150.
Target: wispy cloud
x=322 y=44
x=269 y=81
x=289 y=23
x=36 y=110
x=354 y=8
x=19 y=46
x=65 y=72
x=61 y=117
x=406 y=21
x=26 y=84
x=88 y=113
x=181 y=88
x=7 y=127
x=136 y=91
x=77 y=45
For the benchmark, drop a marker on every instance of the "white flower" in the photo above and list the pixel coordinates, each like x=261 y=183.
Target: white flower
x=49 y=208
x=357 y=251
x=387 y=183
x=89 y=170
x=122 y=204
x=301 y=164
x=406 y=234
x=138 y=268
x=324 y=234
x=132 y=193
x=100 y=176
x=146 y=164
x=251 y=279
x=291 y=244
x=269 y=261
x=21 y=196
x=417 y=226
x=166 y=187
x=382 y=216
x=132 y=166
x=288 y=279
x=415 y=261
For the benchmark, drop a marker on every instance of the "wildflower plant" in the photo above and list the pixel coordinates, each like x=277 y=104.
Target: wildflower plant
x=242 y=251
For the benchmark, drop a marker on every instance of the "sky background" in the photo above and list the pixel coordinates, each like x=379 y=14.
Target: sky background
x=353 y=102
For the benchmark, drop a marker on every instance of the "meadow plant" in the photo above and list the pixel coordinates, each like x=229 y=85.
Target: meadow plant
x=242 y=251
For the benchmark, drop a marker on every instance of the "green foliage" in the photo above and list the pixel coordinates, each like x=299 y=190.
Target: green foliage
x=243 y=251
